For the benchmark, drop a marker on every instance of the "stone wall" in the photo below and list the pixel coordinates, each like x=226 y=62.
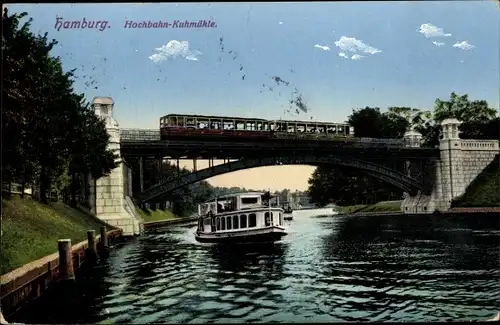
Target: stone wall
x=461 y=161
x=111 y=192
x=476 y=156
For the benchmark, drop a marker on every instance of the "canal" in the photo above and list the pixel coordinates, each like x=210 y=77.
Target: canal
x=336 y=268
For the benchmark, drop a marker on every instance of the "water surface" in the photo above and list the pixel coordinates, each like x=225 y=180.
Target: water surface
x=326 y=270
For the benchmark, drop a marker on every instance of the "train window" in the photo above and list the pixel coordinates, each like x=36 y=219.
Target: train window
x=301 y=128
x=252 y=220
x=172 y=121
x=340 y=129
x=218 y=223
x=223 y=223
x=190 y=122
x=229 y=223
x=331 y=129
x=278 y=127
x=310 y=128
x=240 y=125
x=228 y=125
x=243 y=221
x=203 y=124
x=266 y=127
x=180 y=121
x=260 y=126
x=214 y=124
x=236 y=222
x=290 y=128
x=250 y=126
x=322 y=128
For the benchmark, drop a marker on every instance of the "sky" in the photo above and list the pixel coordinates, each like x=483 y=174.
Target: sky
x=336 y=56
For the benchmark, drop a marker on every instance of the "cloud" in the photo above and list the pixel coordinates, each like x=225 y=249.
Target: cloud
x=356 y=57
x=322 y=47
x=463 y=45
x=174 y=49
x=437 y=43
x=350 y=44
x=281 y=23
x=430 y=30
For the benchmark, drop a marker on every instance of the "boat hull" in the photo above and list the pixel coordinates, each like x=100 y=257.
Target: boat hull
x=266 y=235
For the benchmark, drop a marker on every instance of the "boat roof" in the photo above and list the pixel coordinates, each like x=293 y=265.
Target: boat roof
x=240 y=194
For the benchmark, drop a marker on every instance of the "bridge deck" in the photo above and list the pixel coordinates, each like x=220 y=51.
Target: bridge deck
x=236 y=150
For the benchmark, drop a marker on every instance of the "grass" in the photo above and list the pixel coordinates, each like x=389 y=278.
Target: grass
x=394 y=206
x=31 y=229
x=151 y=215
x=484 y=191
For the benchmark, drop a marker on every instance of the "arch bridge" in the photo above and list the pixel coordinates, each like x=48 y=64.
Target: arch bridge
x=389 y=175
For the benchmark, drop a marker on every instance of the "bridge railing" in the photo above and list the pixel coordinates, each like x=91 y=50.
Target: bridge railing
x=139 y=135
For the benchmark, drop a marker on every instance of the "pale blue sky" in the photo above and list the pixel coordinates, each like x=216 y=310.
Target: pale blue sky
x=278 y=40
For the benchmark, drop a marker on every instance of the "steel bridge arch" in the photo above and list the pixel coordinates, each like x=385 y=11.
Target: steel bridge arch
x=389 y=175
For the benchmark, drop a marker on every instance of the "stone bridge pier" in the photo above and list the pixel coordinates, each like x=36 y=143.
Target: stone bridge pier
x=110 y=197
x=447 y=178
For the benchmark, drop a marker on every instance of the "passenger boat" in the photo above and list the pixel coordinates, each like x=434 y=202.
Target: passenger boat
x=240 y=218
x=288 y=214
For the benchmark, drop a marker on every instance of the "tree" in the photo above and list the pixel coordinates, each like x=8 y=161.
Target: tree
x=328 y=184
x=371 y=123
x=476 y=117
x=51 y=133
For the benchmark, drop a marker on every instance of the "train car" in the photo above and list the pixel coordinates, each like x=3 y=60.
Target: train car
x=176 y=126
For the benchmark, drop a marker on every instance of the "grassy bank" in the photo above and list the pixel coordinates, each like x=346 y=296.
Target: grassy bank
x=31 y=229
x=394 y=206
x=150 y=215
x=484 y=191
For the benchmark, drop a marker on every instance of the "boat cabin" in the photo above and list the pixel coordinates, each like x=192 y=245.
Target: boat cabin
x=240 y=212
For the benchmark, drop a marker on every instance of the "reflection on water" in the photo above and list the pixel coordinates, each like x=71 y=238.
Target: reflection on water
x=381 y=268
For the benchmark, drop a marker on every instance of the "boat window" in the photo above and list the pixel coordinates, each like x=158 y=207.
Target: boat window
x=243 y=221
x=223 y=223
x=229 y=223
x=272 y=221
x=218 y=223
x=249 y=200
x=268 y=220
x=252 y=220
x=281 y=218
x=235 y=222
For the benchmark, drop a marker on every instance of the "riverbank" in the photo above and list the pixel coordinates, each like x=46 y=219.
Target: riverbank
x=377 y=208
x=150 y=215
x=154 y=219
x=31 y=229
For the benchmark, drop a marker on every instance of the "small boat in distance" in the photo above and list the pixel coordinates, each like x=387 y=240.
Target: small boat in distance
x=288 y=213
x=240 y=218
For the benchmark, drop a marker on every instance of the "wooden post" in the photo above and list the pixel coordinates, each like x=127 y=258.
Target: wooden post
x=66 y=271
x=104 y=237
x=91 y=241
x=91 y=252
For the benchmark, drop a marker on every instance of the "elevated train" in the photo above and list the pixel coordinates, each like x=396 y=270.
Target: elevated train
x=217 y=128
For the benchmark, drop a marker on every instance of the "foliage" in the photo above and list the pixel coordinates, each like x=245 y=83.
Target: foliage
x=344 y=187
x=52 y=134
x=31 y=229
x=184 y=200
